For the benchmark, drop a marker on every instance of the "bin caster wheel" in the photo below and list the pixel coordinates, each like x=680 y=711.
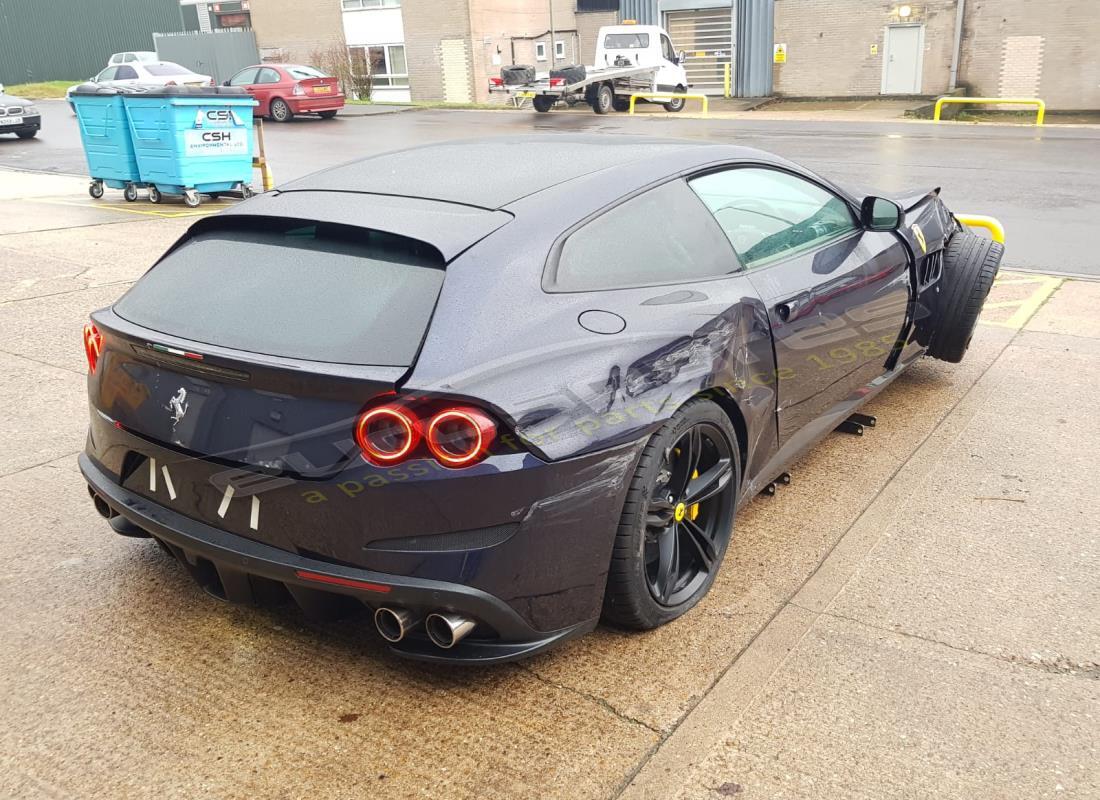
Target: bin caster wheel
x=154 y=194
x=247 y=191
x=130 y=193
x=95 y=189
x=191 y=198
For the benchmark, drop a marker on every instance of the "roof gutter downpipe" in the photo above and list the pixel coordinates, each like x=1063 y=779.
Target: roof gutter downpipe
x=960 y=11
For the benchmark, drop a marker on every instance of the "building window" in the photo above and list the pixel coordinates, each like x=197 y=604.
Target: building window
x=540 y=51
x=384 y=63
x=355 y=5
x=559 y=49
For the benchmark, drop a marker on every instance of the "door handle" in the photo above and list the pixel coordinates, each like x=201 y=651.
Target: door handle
x=783 y=311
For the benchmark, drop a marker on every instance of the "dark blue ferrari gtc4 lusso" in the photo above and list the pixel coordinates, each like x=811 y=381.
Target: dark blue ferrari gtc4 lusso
x=499 y=390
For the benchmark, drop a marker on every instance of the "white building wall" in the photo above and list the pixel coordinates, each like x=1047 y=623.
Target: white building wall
x=371 y=26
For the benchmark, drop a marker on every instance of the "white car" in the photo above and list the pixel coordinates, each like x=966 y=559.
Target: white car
x=153 y=73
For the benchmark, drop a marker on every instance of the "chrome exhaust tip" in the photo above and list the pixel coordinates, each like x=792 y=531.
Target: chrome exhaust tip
x=446 y=629
x=394 y=623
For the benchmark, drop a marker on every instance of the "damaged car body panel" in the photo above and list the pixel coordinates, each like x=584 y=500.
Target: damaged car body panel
x=450 y=399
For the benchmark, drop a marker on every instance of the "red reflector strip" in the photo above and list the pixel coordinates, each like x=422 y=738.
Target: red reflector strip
x=336 y=581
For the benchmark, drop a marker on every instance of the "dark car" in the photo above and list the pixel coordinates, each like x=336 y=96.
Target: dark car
x=499 y=390
x=19 y=116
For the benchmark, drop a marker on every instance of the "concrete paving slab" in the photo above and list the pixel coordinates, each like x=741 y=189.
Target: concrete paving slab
x=47 y=329
x=857 y=712
x=44 y=415
x=1074 y=313
x=122 y=679
x=999 y=550
x=114 y=251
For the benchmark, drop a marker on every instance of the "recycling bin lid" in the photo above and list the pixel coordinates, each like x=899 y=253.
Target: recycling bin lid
x=93 y=88
x=190 y=91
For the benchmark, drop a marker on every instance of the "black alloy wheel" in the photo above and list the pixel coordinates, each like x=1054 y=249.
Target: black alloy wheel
x=677 y=519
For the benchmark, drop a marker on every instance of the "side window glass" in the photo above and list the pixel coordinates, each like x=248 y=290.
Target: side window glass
x=244 y=78
x=125 y=73
x=768 y=215
x=268 y=75
x=107 y=74
x=661 y=236
x=670 y=55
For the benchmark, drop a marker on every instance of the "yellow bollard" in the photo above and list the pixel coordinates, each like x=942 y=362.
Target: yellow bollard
x=995 y=228
x=1040 y=106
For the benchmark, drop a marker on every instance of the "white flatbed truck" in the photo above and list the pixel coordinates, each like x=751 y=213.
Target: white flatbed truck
x=629 y=59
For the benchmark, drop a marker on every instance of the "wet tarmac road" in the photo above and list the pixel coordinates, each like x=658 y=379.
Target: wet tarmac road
x=1041 y=183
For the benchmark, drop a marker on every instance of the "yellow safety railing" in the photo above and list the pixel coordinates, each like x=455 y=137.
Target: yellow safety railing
x=727 y=76
x=669 y=96
x=995 y=228
x=1040 y=106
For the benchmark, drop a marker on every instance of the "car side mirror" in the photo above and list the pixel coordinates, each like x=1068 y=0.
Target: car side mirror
x=680 y=57
x=880 y=214
x=226 y=83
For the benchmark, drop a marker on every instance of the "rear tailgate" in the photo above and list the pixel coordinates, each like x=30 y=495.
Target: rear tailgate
x=258 y=342
x=320 y=87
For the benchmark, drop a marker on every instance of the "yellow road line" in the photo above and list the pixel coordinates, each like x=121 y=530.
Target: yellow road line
x=201 y=211
x=1045 y=286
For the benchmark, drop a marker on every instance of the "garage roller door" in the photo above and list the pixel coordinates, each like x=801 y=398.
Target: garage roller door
x=706 y=35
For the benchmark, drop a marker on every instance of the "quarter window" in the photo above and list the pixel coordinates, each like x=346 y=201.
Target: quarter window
x=768 y=215
x=661 y=236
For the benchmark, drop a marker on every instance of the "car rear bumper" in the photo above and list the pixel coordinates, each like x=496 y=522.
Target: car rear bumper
x=238 y=569
x=311 y=105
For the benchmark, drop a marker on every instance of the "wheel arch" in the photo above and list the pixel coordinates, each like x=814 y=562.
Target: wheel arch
x=721 y=397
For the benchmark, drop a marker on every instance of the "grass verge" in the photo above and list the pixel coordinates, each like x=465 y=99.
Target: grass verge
x=39 y=91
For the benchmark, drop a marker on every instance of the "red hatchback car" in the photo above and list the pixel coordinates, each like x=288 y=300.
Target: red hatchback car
x=284 y=90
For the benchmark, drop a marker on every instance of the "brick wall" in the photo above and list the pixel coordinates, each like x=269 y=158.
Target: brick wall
x=588 y=25
x=1025 y=47
x=836 y=47
x=427 y=24
x=293 y=30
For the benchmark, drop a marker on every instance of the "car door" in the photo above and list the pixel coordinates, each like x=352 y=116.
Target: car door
x=265 y=89
x=671 y=74
x=106 y=77
x=126 y=75
x=245 y=79
x=836 y=294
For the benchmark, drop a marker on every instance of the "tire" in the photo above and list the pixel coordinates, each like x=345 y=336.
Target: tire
x=970 y=264
x=621 y=104
x=280 y=111
x=542 y=103
x=191 y=198
x=633 y=582
x=95 y=189
x=327 y=114
x=154 y=194
x=26 y=134
x=603 y=99
x=130 y=193
x=674 y=106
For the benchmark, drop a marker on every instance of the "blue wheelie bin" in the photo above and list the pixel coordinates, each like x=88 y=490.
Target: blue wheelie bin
x=192 y=140
x=105 y=134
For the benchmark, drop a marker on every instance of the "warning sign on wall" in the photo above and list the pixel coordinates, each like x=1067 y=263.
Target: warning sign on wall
x=780 y=55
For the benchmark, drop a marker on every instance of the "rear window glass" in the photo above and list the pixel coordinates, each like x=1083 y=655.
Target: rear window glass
x=167 y=68
x=662 y=236
x=294 y=289
x=305 y=72
x=626 y=41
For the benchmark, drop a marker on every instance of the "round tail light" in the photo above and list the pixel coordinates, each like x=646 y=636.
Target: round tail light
x=387 y=434
x=459 y=437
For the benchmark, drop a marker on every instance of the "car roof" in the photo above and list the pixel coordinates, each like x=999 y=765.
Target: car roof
x=495 y=172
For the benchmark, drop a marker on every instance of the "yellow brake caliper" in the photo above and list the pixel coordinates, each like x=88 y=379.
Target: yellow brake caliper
x=693 y=512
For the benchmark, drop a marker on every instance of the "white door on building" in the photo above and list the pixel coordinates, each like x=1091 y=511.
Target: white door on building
x=901 y=63
x=706 y=36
